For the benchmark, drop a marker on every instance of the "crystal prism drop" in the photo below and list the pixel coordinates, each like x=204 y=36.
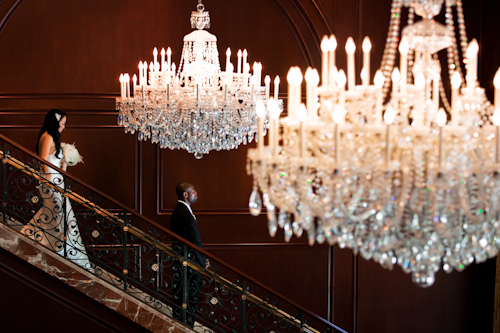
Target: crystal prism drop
x=320 y=235
x=255 y=203
x=447 y=268
x=282 y=218
x=307 y=219
x=288 y=231
x=271 y=217
x=297 y=229
x=271 y=213
x=311 y=236
x=265 y=199
x=272 y=224
x=330 y=237
x=423 y=279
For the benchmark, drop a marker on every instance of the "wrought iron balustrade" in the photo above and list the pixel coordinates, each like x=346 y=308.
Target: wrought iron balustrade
x=139 y=256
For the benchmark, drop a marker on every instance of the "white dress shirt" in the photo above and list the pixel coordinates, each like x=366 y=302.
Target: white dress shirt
x=188 y=207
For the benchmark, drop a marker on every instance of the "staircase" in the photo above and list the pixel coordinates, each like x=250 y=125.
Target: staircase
x=136 y=267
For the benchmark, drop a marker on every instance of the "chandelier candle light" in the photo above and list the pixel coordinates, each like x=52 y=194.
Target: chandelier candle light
x=400 y=183
x=199 y=108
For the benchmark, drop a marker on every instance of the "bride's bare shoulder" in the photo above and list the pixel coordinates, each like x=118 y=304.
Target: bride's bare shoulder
x=46 y=138
x=46 y=143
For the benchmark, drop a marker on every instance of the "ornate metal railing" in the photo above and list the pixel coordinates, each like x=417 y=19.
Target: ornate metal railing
x=137 y=255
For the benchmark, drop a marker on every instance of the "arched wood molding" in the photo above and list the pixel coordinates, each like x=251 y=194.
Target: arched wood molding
x=309 y=22
x=7 y=10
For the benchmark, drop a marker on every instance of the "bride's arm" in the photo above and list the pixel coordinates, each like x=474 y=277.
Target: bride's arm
x=46 y=143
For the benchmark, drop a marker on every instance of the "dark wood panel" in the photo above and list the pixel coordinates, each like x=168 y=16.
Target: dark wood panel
x=219 y=178
x=327 y=8
x=457 y=302
x=299 y=273
x=258 y=26
x=25 y=137
x=149 y=181
x=345 y=24
x=230 y=228
x=35 y=101
x=489 y=54
x=240 y=229
x=374 y=23
x=109 y=159
x=343 y=295
x=22 y=119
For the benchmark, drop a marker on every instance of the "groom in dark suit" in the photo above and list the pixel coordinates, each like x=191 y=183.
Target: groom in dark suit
x=183 y=223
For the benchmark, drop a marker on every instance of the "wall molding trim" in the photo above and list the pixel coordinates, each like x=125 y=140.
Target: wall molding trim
x=308 y=24
x=7 y=10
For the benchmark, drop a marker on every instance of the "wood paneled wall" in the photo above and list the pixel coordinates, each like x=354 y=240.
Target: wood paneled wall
x=68 y=54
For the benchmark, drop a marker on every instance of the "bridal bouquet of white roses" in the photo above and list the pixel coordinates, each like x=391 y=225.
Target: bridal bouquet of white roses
x=70 y=154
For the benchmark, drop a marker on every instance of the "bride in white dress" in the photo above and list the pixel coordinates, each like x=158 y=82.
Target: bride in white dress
x=48 y=224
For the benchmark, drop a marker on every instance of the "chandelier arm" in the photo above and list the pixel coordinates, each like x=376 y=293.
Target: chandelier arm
x=356 y=196
x=433 y=199
x=126 y=113
x=155 y=119
x=482 y=192
x=490 y=208
x=403 y=195
x=478 y=172
x=181 y=119
x=344 y=209
x=317 y=149
x=235 y=118
x=464 y=188
x=465 y=206
x=495 y=201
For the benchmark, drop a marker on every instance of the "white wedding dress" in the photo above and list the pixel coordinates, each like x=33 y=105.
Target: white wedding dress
x=47 y=226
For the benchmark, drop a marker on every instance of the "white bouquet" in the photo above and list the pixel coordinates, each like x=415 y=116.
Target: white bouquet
x=70 y=154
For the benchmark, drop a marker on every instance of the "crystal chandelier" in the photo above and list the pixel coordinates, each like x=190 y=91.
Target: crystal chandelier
x=411 y=178
x=199 y=108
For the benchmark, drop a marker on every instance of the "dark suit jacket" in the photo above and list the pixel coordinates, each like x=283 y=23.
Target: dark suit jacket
x=184 y=224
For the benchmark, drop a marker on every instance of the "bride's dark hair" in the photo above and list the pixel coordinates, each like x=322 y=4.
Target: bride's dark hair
x=51 y=126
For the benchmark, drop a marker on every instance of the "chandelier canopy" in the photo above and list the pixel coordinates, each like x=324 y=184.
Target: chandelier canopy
x=199 y=108
x=409 y=179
